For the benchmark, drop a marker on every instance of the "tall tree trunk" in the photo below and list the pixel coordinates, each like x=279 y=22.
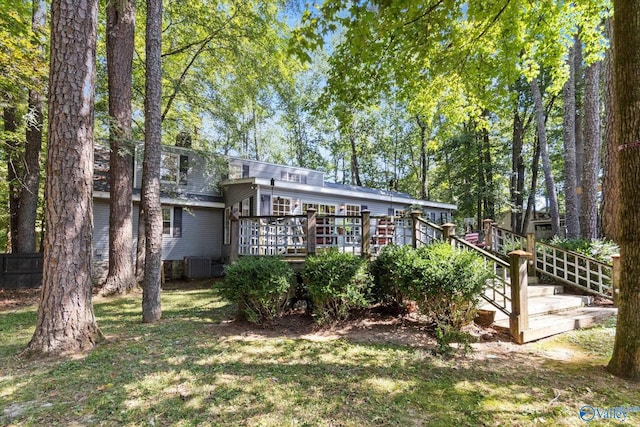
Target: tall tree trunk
x=482 y=185
x=151 y=307
x=13 y=173
x=423 y=157
x=517 y=173
x=579 y=114
x=120 y=42
x=531 y=200
x=572 y=214
x=592 y=146
x=489 y=193
x=141 y=245
x=31 y=174
x=625 y=361
x=355 y=166
x=66 y=322
x=610 y=184
x=546 y=161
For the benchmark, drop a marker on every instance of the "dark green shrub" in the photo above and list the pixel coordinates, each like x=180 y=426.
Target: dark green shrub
x=393 y=270
x=336 y=283
x=261 y=286
x=448 y=283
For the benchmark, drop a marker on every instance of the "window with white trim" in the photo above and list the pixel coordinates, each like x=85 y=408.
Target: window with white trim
x=281 y=206
x=169 y=168
x=321 y=208
x=293 y=177
x=171 y=221
x=174 y=168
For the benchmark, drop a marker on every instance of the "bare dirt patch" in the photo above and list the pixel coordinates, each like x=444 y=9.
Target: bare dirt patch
x=11 y=299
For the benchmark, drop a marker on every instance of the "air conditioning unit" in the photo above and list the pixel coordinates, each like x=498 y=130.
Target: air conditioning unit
x=196 y=267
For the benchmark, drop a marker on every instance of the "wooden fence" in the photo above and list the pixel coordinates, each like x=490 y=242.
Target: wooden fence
x=20 y=271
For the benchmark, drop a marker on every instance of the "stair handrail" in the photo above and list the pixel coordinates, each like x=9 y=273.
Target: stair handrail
x=498 y=289
x=598 y=277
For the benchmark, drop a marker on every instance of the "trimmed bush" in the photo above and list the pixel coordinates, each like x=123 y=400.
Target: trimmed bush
x=448 y=283
x=393 y=270
x=261 y=286
x=336 y=283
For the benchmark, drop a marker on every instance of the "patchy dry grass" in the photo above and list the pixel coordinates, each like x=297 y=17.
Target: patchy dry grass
x=197 y=367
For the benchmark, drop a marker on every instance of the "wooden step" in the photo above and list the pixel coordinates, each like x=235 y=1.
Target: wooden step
x=564 y=321
x=545 y=304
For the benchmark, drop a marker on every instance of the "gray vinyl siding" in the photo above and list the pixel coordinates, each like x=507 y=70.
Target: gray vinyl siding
x=201 y=233
x=100 y=230
x=238 y=193
x=267 y=171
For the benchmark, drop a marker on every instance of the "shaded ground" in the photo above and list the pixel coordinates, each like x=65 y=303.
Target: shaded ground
x=371 y=328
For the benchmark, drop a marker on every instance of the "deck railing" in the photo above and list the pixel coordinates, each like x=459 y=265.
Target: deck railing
x=300 y=235
x=566 y=266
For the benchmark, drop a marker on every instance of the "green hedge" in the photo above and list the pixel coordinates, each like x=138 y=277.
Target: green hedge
x=336 y=283
x=449 y=285
x=261 y=286
x=446 y=283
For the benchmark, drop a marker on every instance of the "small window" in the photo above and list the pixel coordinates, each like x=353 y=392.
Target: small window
x=245 y=171
x=167 y=221
x=184 y=170
x=169 y=168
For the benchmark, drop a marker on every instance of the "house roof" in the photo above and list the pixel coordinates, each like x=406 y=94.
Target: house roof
x=347 y=191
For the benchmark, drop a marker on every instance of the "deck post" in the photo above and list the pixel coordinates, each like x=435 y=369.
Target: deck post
x=519 y=320
x=415 y=227
x=615 y=278
x=234 y=233
x=366 y=233
x=311 y=232
x=488 y=238
x=531 y=248
x=448 y=231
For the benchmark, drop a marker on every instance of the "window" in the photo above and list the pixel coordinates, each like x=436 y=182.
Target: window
x=293 y=177
x=235 y=171
x=167 y=221
x=171 y=221
x=321 y=209
x=169 y=168
x=281 y=206
x=174 y=168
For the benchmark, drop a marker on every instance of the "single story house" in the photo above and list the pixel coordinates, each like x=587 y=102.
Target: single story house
x=200 y=191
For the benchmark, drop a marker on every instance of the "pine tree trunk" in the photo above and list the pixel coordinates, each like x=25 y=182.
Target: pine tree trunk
x=572 y=214
x=120 y=43
x=546 y=161
x=151 y=307
x=592 y=145
x=610 y=184
x=66 y=322
x=625 y=361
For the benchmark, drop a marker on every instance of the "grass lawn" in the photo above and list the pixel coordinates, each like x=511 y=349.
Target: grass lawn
x=198 y=367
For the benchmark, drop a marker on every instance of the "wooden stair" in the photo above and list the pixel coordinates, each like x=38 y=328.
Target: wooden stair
x=552 y=312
